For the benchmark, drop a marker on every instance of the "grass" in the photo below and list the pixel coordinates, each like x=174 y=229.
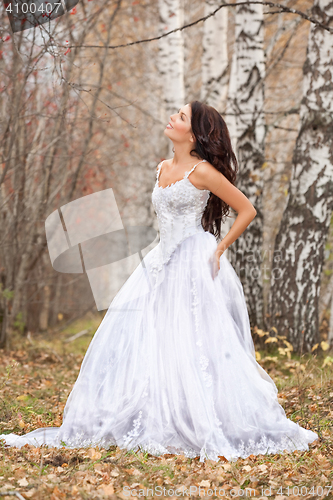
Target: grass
x=36 y=379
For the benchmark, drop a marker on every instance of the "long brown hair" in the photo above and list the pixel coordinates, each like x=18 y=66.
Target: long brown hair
x=214 y=145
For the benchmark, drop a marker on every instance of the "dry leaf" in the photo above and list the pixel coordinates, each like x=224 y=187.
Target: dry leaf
x=324 y=345
x=23 y=397
x=94 y=454
x=262 y=467
x=23 y=482
x=108 y=489
x=226 y=466
x=204 y=483
x=30 y=493
x=271 y=339
x=57 y=494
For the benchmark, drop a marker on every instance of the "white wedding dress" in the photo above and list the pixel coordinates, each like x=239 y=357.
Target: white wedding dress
x=172 y=367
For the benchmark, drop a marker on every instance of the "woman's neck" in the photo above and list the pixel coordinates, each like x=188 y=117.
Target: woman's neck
x=182 y=155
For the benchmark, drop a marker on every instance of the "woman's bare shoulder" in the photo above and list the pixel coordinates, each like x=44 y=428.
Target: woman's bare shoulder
x=165 y=162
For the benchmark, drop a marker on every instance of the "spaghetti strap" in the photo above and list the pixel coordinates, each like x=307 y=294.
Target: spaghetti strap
x=185 y=175
x=159 y=170
x=188 y=173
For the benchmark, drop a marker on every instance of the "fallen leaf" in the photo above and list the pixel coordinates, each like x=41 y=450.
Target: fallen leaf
x=23 y=397
x=94 y=454
x=204 y=483
x=30 y=493
x=108 y=489
x=23 y=482
x=262 y=467
x=57 y=494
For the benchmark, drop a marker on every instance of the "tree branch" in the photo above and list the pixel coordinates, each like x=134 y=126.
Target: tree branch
x=282 y=8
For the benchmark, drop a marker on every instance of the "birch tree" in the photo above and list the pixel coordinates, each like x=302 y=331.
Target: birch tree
x=245 y=119
x=330 y=331
x=299 y=246
x=171 y=58
x=214 y=62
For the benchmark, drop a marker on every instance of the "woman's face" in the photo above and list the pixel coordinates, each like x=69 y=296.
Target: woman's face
x=179 y=127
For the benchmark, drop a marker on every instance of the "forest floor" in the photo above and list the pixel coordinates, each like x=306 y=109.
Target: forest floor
x=36 y=379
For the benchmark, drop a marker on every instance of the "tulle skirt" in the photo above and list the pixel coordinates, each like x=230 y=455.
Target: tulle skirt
x=172 y=369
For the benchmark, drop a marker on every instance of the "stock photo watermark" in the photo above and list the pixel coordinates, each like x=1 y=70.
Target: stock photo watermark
x=26 y=14
x=247 y=264
x=220 y=492
x=88 y=236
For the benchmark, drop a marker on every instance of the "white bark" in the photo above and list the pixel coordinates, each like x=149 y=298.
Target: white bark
x=214 y=65
x=171 y=58
x=247 y=129
x=305 y=224
x=330 y=331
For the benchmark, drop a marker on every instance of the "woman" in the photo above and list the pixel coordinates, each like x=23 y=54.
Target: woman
x=172 y=368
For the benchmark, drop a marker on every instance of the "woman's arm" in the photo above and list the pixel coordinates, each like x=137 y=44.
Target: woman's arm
x=210 y=178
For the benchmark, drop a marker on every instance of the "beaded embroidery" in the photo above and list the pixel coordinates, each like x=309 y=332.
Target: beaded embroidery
x=179 y=208
x=231 y=453
x=134 y=432
x=203 y=359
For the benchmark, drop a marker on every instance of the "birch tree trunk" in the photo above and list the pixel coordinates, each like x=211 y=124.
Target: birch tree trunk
x=214 y=64
x=330 y=331
x=299 y=247
x=247 y=128
x=171 y=58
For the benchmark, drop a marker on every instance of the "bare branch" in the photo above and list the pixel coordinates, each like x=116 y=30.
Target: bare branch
x=282 y=8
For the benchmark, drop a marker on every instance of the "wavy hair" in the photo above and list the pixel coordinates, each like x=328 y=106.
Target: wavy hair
x=214 y=145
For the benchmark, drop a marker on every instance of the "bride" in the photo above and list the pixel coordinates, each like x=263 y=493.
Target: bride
x=172 y=367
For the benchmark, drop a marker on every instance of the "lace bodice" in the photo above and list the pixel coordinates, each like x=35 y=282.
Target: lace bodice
x=179 y=208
